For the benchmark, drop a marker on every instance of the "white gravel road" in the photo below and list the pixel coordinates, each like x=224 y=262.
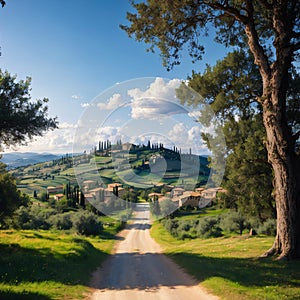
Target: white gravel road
x=138 y=271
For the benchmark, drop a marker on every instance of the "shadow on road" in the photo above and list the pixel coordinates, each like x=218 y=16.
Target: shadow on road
x=140 y=271
x=138 y=226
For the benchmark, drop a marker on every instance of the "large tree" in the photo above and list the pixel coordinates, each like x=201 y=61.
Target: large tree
x=21 y=118
x=270 y=30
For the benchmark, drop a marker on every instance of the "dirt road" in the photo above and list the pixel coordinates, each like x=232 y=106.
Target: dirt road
x=138 y=271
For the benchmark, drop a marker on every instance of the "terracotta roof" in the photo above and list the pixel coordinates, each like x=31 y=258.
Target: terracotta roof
x=58 y=195
x=196 y=194
x=114 y=184
x=155 y=194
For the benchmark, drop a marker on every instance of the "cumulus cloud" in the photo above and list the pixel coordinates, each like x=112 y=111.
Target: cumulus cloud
x=178 y=134
x=194 y=134
x=158 y=101
x=57 y=141
x=186 y=138
x=113 y=102
x=108 y=133
x=159 y=88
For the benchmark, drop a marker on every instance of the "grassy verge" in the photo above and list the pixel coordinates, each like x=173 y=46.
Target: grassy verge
x=197 y=214
x=230 y=268
x=49 y=265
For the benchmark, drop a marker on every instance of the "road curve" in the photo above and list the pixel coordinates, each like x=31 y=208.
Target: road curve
x=138 y=271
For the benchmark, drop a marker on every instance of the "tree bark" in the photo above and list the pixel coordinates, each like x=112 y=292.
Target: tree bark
x=285 y=164
x=280 y=142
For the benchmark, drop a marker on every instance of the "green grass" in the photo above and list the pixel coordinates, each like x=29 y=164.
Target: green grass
x=49 y=265
x=196 y=214
x=230 y=267
x=103 y=160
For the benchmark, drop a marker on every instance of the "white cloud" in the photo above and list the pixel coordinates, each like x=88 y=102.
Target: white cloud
x=194 y=134
x=113 y=102
x=85 y=105
x=66 y=125
x=108 y=133
x=158 y=101
x=76 y=97
x=57 y=141
x=187 y=138
x=158 y=89
x=178 y=134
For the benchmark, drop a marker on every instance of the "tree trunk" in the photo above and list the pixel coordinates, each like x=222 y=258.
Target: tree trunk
x=280 y=142
x=285 y=163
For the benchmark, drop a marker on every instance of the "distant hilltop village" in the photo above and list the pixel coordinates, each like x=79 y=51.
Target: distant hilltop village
x=107 y=174
x=180 y=181
x=106 y=148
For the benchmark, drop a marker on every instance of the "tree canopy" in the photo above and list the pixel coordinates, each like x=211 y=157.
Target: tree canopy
x=20 y=118
x=231 y=87
x=169 y=25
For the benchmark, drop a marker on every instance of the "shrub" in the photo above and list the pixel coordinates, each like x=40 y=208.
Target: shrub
x=234 y=222
x=171 y=226
x=21 y=218
x=86 y=223
x=209 y=227
x=61 y=221
x=184 y=225
x=184 y=235
x=32 y=217
x=268 y=227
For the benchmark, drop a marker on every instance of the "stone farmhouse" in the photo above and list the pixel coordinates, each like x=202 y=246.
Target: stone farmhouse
x=101 y=194
x=200 y=197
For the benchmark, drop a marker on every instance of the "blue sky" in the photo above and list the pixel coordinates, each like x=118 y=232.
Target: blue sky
x=74 y=50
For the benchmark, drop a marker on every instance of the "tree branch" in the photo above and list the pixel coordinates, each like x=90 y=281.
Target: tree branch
x=261 y=60
x=231 y=11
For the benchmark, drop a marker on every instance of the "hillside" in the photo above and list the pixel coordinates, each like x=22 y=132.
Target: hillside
x=49 y=264
x=19 y=159
x=151 y=167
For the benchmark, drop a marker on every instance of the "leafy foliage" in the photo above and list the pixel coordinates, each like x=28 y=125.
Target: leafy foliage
x=61 y=221
x=86 y=223
x=230 y=88
x=268 y=227
x=209 y=227
x=82 y=222
x=32 y=217
x=171 y=25
x=10 y=197
x=234 y=222
x=20 y=118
